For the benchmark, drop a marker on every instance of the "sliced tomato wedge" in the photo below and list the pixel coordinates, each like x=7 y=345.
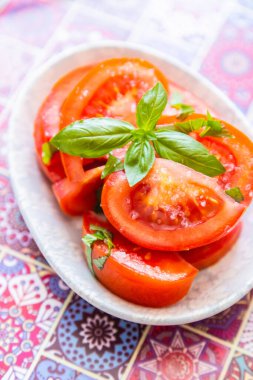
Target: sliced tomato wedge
x=148 y=278
x=112 y=88
x=173 y=208
x=208 y=255
x=236 y=155
x=76 y=197
x=47 y=122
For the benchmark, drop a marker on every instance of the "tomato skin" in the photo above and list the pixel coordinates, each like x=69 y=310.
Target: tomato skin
x=236 y=154
x=54 y=171
x=208 y=255
x=117 y=204
x=76 y=197
x=79 y=99
x=47 y=121
x=144 y=277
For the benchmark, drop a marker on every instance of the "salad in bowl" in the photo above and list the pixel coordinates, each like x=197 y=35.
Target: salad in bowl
x=161 y=182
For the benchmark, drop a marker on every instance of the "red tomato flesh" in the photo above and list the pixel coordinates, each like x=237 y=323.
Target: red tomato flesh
x=111 y=88
x=48 y=120
x=141 y=276
x=236 y=155
x=76 y=197
x=173 y=208
x=208 y=255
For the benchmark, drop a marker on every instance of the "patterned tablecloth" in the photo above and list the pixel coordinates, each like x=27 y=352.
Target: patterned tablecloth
x=47 y=332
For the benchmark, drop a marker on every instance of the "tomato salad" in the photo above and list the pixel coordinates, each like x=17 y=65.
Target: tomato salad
x=161 y=187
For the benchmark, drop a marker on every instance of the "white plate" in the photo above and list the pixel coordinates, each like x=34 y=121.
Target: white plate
x=58 y=237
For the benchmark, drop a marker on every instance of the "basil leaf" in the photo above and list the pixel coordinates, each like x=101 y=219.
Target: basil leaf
x=101 y=234
x=235 y=193
x=100 y=262
x=151 y=106
x=167 y=127
x=185 y=109
x=139 y=160
x=212 y=127
x=93 y=137
x=142 y=133
x=48 y=151
x=190 y=125
x=105 y=233
x=184 y=149
x=210 y=131
x=113 y=164
x=88 y=240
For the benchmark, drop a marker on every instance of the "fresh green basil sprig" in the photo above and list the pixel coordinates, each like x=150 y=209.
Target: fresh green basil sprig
x=100 y=234
x=235 y=193
x=48 y=151
x=209 y=126
x=113 y=164
x=95 y=137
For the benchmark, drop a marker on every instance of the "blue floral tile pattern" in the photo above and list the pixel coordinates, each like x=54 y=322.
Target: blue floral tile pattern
x=94 y=340
x=48 y=369
x=241 y=368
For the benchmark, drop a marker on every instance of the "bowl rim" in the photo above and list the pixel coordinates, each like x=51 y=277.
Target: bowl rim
x=35 y=74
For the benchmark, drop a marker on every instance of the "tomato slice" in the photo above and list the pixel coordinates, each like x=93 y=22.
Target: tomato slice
x=48 y=120
x=209 y=254
x=172 y=208
x=76 y=197
x=236 y=155
x=112 y=88
x=141 y=276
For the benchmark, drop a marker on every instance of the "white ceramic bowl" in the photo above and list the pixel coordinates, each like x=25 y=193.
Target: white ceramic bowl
x=58 y=237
